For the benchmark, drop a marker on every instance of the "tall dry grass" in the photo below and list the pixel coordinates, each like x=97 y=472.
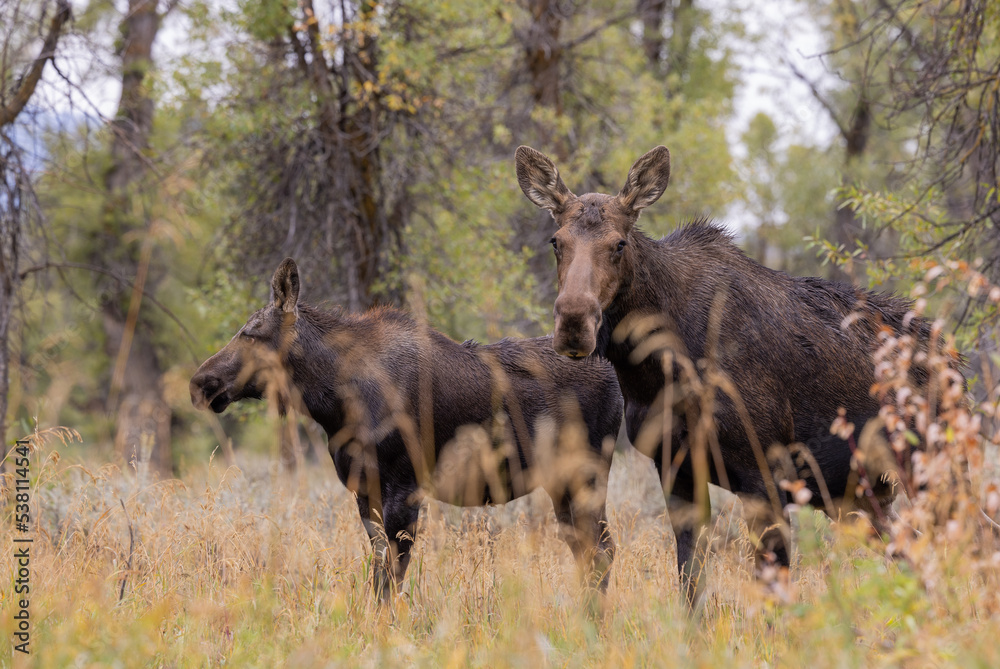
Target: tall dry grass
x=250 y=567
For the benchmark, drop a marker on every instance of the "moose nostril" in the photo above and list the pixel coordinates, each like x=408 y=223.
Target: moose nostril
x=204 y=385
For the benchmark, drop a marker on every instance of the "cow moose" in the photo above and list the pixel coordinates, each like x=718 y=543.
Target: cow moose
x=397 y=400
x=782 y=356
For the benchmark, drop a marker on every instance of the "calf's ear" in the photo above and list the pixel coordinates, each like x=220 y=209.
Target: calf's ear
x=646 y=180
x=539 y=180
x=285 y=286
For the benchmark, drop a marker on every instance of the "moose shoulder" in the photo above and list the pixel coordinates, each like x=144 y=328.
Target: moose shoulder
x=785 y=353
x=397 y=399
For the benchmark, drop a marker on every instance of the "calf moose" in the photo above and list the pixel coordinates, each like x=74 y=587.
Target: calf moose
x=395 y=399
x=783 y=353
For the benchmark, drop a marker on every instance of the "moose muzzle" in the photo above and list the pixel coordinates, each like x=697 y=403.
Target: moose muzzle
x=208 y=390
x=577 y=319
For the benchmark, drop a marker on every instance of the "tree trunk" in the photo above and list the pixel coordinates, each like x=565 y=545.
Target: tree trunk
x=847 y=231
x=136 y=393
x=362 y=132
x=143 y=416
x=134 y=121
x=369 y=221
x=544 y=53
x=350 y=131
x=10 y=239
x=543 y=60
x=651 y=14
x=12 y=205
x=682 y=30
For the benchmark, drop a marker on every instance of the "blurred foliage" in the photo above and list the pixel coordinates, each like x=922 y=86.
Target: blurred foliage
x=944 y=210
x=789 y=194
x=917 y=157
x=244 y=172
x=794 y=189
x=241 y=175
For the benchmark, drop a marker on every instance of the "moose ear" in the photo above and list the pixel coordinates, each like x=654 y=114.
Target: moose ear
x=646 y=180
x=539 y=180
x=285 y=286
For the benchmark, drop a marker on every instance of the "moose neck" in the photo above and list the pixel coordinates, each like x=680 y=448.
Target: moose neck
x=316 y=363
x=655 y=276
x=647 y=286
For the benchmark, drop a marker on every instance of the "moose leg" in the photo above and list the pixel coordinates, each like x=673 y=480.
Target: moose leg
x=386 y=514
x=692 y=536
x=392 y=538
x=586 y=532
x=363 y=481
x=400 y=516
x=686 y=521
x=381 y=553
x=758 y=512
x=770 y=540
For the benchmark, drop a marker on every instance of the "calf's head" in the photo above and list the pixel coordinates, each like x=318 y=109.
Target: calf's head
x=252 y=363
x=592 y=240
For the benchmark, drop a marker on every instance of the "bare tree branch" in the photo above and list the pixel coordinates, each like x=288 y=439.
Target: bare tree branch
x=120 y=279
x=597 y=30
x=820 y=98
x=26 y=87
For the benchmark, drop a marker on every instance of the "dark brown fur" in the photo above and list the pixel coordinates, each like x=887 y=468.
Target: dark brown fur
x=393 y=395
x=782 y=341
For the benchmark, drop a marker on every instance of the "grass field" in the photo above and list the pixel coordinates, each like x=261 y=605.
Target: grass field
x=246 y=566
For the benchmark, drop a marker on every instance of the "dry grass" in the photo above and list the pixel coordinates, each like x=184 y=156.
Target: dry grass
x=249 y=567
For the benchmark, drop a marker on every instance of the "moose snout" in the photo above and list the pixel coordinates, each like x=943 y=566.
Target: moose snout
x=577 y=320
x=204 y=388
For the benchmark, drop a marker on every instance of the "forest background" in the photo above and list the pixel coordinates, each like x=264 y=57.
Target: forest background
x=160 y=157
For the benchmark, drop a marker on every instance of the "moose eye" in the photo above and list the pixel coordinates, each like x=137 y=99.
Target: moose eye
x=621 y=246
